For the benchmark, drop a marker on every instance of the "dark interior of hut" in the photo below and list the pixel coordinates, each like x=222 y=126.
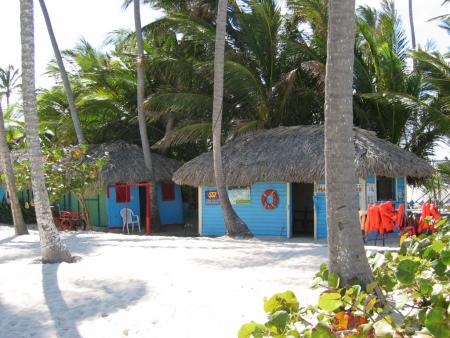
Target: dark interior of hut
x=142 y=206
x=303 y=209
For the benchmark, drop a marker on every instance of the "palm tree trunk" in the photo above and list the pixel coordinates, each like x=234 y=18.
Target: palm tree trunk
x=169 y=128
x=169 y=124
x=19 y=224
x=141 y=115
x=411 y=24
x=64 y=77
x=53 y=249
x=347 y=256
x=234 y=225
x=413 y=33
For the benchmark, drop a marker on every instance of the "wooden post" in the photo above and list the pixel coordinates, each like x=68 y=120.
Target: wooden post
x=147 y=211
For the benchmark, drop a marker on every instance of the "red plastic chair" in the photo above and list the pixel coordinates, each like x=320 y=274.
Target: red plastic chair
x=69 y=220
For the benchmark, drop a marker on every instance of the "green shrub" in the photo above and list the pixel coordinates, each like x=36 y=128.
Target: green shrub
x=29 y=214
x=410 y=296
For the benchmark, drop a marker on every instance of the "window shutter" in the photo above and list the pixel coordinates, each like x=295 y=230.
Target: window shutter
x=122 y=193
x=168 y=191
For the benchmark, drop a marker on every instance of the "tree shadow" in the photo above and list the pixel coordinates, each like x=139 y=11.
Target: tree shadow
x=11 y=323
x=6 y=240
x=84 y=304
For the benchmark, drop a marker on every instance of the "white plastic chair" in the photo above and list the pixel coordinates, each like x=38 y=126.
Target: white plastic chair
x=129 y=218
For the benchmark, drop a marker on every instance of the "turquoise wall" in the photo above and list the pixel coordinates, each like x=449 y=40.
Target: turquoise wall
x=114 y=218
x=400 y=191
x=321 y=215
x=320 y=205
x=170 y=212
x=2 y=193
x=261 y=222
x=264 y=222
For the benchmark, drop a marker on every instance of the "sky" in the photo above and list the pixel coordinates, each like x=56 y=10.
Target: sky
x=94 y=19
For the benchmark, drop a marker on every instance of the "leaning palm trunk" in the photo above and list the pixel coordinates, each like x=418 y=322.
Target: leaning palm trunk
x=64 y=77
x=53 y=249
x=141 y=115
x=19 y=224
x=347 y=256
x=84 y=211
x=234 y=225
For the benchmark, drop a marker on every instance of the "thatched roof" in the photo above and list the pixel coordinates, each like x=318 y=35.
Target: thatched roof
x=296 y=154
x=124 y=164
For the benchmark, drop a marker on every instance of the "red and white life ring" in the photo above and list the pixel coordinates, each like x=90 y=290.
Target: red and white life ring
x=275 y=200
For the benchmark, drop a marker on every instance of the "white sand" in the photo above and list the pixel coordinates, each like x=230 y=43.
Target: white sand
x=137 y=286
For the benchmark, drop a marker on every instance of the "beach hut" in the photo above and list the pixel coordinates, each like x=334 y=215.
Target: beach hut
x=275 y=180
x=125 y=184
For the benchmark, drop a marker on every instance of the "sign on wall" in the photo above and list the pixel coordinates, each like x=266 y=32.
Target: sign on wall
x=371 y=193
x=212 y=197
x=322 y=188
x=239 y=195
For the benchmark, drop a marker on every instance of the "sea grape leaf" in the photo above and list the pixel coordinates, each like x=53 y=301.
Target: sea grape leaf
x=279 y=319
x=281 y=301
x=437 y=323
x=330 y=301
x=445 y=257
x=333 y=280
x=406 y=271
x=251 y=329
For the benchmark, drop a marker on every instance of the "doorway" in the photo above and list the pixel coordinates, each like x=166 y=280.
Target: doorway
x=142 y=203
x=302 y=209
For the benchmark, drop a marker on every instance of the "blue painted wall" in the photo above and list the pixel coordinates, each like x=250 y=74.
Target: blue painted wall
x=320 y=204
x=261 y=222
x=114 y=218
x=321 y=215
x=370 y=179
x=170 y=212
x=2 y=193
x=400 y=191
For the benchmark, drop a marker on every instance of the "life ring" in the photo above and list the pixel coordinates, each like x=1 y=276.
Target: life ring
x=265 y=195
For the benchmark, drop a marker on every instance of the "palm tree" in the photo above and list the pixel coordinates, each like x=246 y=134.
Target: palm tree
x=8 y=81
x=411 y=24
x=19 y=224
x=14 y=127
x=347 y=256
x=234 y=225
x=64 y=77
x=53 y=250
x=141 y=113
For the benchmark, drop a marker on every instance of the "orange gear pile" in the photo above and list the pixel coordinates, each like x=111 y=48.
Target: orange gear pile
x=429 y=216
x=383 y=218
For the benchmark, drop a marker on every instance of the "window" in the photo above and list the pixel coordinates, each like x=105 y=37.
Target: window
x=385 y=188
x=122 y=193
x=168 y=191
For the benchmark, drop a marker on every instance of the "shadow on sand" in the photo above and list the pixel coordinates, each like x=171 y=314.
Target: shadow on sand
x=84 y=305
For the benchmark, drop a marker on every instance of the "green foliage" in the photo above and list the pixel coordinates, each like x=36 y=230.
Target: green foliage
x=66 y=170
x=409 y=296
x=28 y=213
x=274 y=75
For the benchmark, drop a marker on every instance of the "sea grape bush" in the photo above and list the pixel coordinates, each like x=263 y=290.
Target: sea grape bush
x=409 y=297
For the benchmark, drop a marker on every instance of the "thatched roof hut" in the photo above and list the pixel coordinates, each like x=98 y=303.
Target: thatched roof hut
x=124 y=164
x=296 y=154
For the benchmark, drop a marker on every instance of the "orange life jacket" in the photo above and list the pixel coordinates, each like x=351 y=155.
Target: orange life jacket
x=388 y=216
x=400 y=212
x=427 y=211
